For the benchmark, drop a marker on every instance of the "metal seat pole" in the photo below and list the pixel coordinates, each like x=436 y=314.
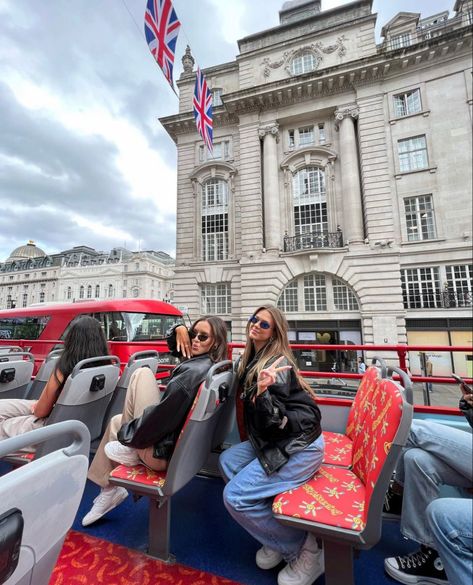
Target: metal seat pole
x=338 y=563
x=159 y=530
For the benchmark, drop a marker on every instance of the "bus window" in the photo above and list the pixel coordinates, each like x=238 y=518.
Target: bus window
x=22 y=327
x=148 y=326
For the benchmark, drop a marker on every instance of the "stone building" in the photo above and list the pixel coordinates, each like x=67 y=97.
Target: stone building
x=30 y=275
x=340 y=182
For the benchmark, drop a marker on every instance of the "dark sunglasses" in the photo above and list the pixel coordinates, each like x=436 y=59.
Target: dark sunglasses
x=200 y=336
x=262 y=323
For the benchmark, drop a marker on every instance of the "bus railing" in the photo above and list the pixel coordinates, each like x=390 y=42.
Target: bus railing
x=394 y=354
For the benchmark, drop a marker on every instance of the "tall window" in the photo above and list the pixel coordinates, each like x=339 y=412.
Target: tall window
x=402 y=40
x=217 y=96
x=215 y=220
x=343 y=297
x=459 y=285
x=407 y=103
x=110 y=290
x=412 y=153
x=216 y=298
x=41 y=297
x=25 y=299
x=322 y=134
x=310 y=203
x=303 y=63
x=69 y=293
x=315 y=292
x=288 y=300
x=421 y=288
x=89 y=291
x=97 y=291
x=81 y=292
x=419 y=218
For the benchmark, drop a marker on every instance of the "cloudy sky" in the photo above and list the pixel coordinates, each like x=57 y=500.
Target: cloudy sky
x=83 y=159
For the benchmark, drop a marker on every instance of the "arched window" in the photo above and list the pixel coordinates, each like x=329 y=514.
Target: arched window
x=97 y=291
x=89 y=291
x=81 y=292
x=69 y=293
x=215 y=220
x=110 y=290
x=303 y=63
x=309 y=201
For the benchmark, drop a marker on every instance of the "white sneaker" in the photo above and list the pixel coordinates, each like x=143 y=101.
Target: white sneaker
x=308 y=566
x=122 y=454
x=107 y=499
x=267 y=558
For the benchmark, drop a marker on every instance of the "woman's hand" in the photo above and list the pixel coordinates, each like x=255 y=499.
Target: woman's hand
x=183 y=341
x=268 y=376
x=33 y=406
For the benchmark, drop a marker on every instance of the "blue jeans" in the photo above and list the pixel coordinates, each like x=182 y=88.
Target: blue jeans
x=451 y=524
x=434 y=455
x=249 y=493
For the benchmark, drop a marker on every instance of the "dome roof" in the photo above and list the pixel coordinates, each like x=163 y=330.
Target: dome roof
x=30 y=250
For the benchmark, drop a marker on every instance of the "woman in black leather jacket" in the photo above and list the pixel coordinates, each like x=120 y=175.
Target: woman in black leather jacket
x=284 y=450
x=149 y=426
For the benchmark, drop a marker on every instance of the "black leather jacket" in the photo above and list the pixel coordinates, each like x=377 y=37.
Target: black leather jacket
x=160 y=424
x=281 y=421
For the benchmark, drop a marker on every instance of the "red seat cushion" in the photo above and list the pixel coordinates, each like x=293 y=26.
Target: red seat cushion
x=335 y=497
x=338 y=449
x=140 y=474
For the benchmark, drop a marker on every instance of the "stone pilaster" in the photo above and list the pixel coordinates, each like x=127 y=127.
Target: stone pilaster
x=269 y=133
x=352 y=203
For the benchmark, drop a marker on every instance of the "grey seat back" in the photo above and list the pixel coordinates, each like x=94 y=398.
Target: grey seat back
x=197 y=435
x=6 y=351
x=85 y=396
x=47 y=492
x=15 y=375
x=43 y=375
x=226 y=381
x=140 y=359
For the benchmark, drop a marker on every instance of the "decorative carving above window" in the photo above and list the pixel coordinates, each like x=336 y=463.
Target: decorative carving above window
x=314 y=49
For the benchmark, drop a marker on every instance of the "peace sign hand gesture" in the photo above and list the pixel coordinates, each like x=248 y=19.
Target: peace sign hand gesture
x=268 y=376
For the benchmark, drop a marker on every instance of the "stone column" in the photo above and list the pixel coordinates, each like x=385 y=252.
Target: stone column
x=352 y=203
x=272 y=222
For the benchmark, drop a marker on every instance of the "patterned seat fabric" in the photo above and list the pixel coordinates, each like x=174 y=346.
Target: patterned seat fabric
x=339 y=446
x=140 y=474
x=341 y=497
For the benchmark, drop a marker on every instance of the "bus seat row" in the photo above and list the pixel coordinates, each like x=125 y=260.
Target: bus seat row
x=208 y=423
x=343 y=504
x=38 y=502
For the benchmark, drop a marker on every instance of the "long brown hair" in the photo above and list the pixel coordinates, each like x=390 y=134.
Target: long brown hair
x=276 y=346
x=219 y=349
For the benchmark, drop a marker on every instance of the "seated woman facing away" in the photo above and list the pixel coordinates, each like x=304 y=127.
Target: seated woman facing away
x=85 y=339
x=149 y=426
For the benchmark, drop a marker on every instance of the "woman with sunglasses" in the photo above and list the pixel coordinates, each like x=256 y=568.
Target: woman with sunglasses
x=149 y=426
x=284 y=450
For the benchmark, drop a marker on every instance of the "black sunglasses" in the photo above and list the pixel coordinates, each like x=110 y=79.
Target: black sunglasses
x=200 y=336
x=262 y=323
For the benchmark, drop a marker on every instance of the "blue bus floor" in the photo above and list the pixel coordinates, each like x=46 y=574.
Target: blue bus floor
x=205 y=537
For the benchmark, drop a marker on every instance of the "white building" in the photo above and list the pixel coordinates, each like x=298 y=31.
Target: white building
x=30 y=275
x=340 y=182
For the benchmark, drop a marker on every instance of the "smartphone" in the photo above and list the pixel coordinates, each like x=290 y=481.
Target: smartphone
x=463 y=385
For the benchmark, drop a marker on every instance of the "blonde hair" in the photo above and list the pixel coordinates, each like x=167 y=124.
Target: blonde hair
x=276 y=346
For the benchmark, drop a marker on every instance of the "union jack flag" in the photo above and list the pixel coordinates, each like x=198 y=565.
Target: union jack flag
x=161 y=30
x=202 y=106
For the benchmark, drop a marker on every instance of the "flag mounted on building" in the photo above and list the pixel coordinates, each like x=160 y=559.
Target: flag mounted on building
x=161 y=30
x=202 y=106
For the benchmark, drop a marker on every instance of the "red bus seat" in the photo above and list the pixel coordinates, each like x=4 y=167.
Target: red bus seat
x=344 y=506
x=191 y=451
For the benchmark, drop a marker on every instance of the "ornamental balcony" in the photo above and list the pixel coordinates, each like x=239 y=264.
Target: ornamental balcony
x=312 y=240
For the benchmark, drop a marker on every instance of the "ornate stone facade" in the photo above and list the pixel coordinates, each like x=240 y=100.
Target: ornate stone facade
x=350 y=198
x=31 y=276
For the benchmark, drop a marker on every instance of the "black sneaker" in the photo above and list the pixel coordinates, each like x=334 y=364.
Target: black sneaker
x=422 y=566
x=392 y=506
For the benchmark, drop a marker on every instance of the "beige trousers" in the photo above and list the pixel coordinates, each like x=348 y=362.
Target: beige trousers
x=16 y=417
x=142 y=392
